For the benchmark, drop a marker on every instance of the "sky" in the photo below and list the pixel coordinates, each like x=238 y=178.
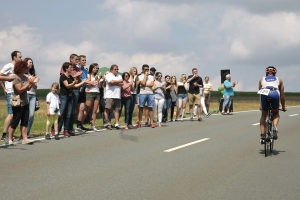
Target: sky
x=171 y=35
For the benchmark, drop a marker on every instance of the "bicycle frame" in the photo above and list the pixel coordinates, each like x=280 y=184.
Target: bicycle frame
x=269 y=141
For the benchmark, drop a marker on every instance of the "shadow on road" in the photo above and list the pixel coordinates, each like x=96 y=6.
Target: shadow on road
x=274 y=153
x=128 y=137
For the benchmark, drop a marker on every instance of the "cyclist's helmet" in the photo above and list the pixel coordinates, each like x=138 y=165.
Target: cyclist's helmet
x=271 y=69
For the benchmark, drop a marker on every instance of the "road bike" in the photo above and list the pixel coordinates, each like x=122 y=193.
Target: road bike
x=268 y=136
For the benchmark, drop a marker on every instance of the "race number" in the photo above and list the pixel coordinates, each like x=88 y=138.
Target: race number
x=264 y=91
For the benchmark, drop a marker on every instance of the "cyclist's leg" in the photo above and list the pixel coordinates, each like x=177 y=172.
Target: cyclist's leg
x=264 y=112
x=263 y=122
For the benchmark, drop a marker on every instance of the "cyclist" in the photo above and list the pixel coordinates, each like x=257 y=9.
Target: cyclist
x=276 y=87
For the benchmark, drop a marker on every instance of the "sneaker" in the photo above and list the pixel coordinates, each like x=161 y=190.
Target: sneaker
x=28 y=141
x=71 y=133
x=275 y=133
x=117 y=127
x=131 y=127
x=108 y=127
x=146 y=124
x=3 y=136
x=78 y=129
x=53 y=132
x=262 y=141
x=47 y=137
x=10 y=142
x=139 y=125
x=84 y=129
x=152 y=125
x=30 y=136
x=94 y=128
x=192 y=119
x=56 y=137
x=208 y=115
x=200 y=119
x=66 y=133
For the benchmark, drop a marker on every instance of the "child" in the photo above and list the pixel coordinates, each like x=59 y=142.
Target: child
x=53 y=112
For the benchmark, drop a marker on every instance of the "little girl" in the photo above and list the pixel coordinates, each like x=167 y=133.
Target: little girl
x=53 y=112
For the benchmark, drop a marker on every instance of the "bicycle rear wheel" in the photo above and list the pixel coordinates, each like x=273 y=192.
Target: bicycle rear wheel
x=271 y=145
x=266 y=146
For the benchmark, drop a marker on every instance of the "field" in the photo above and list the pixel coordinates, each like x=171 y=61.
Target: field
x=242 y=101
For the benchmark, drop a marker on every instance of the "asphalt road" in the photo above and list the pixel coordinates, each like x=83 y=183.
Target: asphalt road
x=226 y=161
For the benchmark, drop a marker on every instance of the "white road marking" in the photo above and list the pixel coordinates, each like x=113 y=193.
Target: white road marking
x=293 y=115
x=256 y=124
x=185 y=145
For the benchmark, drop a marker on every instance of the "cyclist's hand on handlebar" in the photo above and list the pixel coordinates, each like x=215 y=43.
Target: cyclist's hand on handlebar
x=283 y=109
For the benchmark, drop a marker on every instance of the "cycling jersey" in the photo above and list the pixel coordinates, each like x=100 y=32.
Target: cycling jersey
x=272 y=83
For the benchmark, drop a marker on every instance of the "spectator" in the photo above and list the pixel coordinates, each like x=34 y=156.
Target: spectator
x=82 y=95
x=126 y=99
x=159 y=97
x=146 y=96
x=133 y=78
x=207 y=88
x=92 y=93
x=228 y=94
x=67 y=83
x=195 y=82
x=7 y=74
x=21 y=112
x=181 y=89
x=31 y=95
x=168 y=98
x=173 y=96
x=114 y=83
x=53 y=111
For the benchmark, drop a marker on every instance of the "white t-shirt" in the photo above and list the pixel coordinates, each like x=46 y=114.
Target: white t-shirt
x=92 y=88
x=146 y=90
x=53 y=100
x=8 y=70
x=112 y=91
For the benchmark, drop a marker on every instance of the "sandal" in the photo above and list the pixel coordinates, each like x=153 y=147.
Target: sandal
x=222 y=113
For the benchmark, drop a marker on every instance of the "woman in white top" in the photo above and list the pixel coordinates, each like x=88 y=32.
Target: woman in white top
x=133 y=78
x=92 y=92
x=181 y=91
x=159 y=97
x=31 y=95
x=207 y=88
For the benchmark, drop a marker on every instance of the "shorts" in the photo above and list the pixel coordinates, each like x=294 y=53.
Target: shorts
x=9 y=108
x=138 y=99
x=82 y=97
x=181 y=96
x=194 y=99
x=275 y=99
x=92 y=96
x=114 y=104
x=146 y=100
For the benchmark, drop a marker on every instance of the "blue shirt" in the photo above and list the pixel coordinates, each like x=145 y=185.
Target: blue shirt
x=84 y=74
x=228 y=91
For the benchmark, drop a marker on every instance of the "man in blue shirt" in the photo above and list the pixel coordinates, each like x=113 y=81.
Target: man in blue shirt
x=228 y=94
x=82 y=96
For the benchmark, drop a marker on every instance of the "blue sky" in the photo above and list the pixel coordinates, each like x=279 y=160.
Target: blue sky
x=171 y=35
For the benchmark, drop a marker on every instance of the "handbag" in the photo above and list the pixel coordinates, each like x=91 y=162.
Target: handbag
x=15 y=100
x=37 y=105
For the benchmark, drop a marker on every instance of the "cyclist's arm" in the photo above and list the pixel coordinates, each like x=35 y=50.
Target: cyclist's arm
x=259 y=84
x=282 y=99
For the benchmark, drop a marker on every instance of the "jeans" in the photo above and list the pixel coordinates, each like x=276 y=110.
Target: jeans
x=65 y=106
x=9 y=108
x=75 y=97
x=31 y=103
x=166 y=107
x=126 y=101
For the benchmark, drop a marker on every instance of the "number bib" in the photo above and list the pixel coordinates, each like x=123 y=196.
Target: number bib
x=264 y=91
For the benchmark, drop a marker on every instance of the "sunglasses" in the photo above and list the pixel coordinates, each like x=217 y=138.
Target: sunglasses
x=271 y=70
